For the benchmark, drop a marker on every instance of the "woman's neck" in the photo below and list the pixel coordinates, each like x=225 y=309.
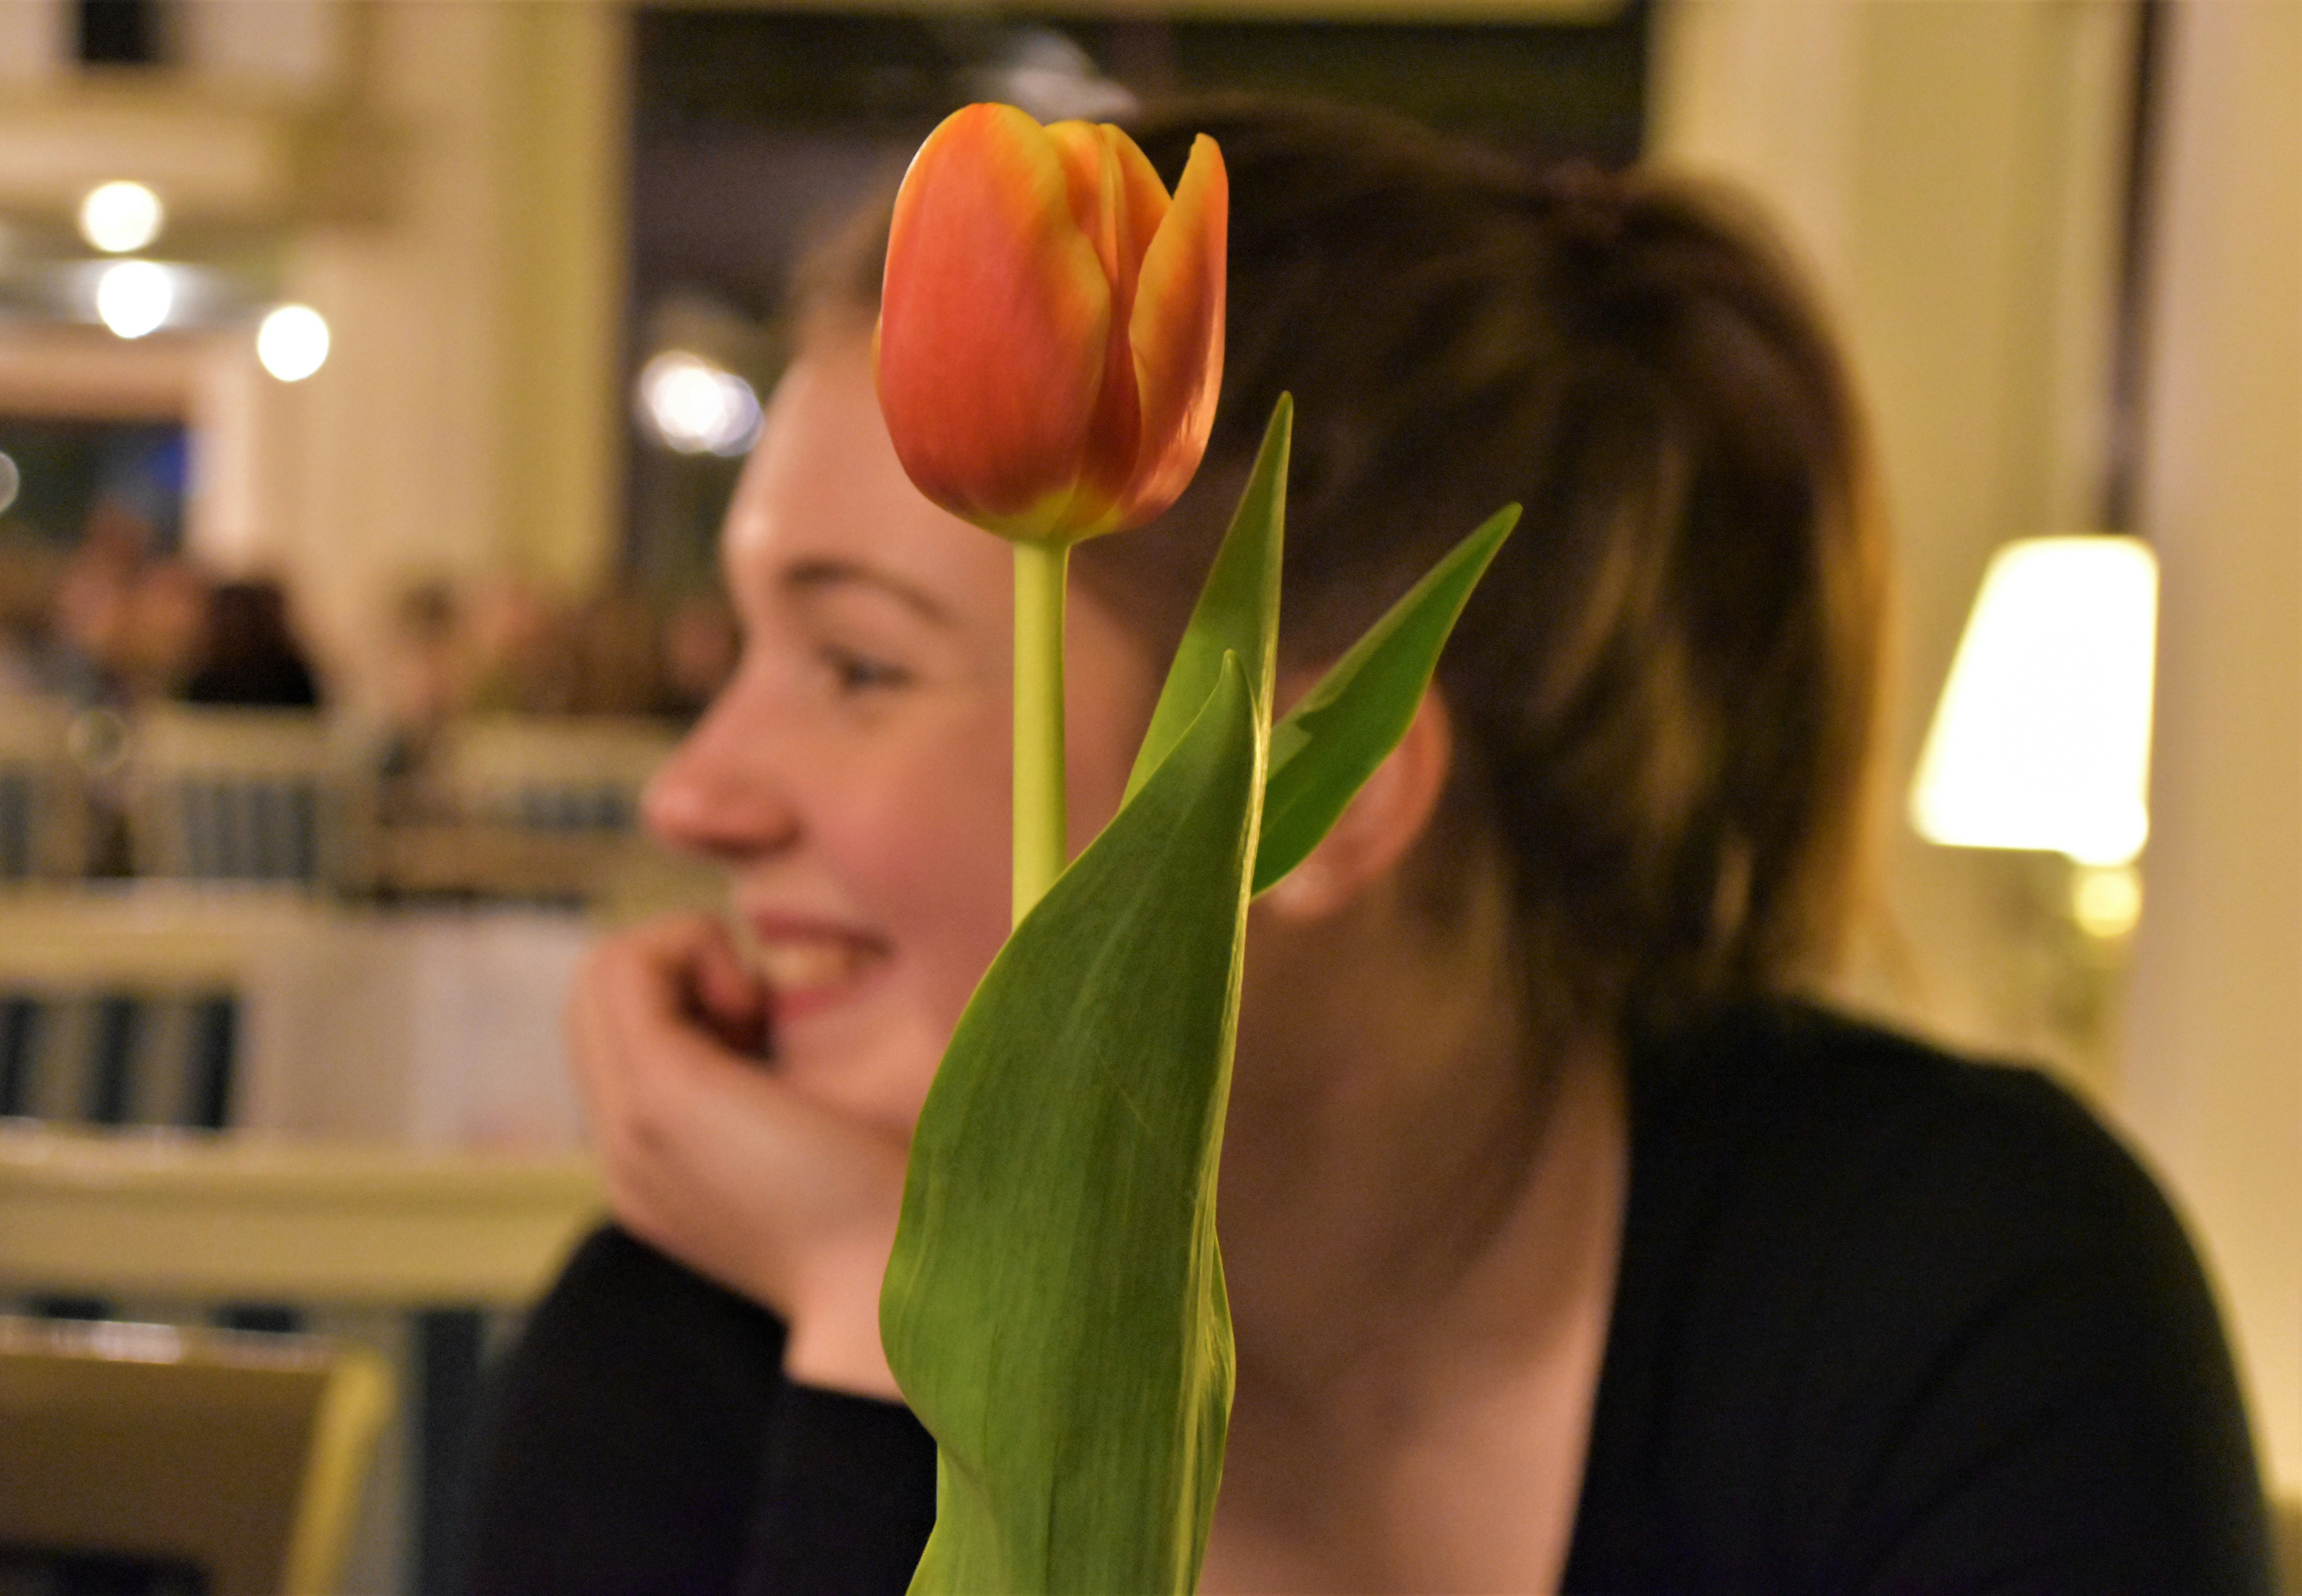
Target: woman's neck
x=1421 y=1211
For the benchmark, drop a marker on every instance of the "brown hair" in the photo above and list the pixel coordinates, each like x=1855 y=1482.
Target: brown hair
x=1664 y=692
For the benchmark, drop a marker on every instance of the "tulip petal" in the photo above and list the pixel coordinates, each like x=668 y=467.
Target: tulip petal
x=1175 y=329
x=1097 y=154
x=996 y=323
x=1143 y=206
x=1086 y=155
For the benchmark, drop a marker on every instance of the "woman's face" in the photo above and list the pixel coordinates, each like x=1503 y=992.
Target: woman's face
x=853 y=776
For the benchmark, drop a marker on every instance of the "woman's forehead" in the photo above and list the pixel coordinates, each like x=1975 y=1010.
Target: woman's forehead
x=824 y=492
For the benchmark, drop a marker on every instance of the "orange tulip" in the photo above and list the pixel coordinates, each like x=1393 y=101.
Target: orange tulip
x=1051 y=329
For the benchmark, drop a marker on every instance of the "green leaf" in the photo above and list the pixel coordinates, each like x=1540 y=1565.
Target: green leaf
x=1331 y=742
x=1238 y=610
x=1055 y=1308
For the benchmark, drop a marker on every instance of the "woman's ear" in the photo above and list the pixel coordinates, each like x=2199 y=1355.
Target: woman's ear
x=1382 y=821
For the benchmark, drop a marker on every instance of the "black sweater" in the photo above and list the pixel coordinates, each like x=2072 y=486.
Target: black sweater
x=1884 y=1321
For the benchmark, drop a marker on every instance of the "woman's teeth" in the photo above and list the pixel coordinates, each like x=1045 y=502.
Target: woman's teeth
x=801 y=965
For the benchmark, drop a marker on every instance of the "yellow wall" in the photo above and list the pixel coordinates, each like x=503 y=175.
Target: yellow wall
x=2213 y=1069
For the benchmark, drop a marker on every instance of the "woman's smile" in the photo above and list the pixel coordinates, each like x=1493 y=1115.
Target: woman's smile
x=853 y=776
x=809 y=968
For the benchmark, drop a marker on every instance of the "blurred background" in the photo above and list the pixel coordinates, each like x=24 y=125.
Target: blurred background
x=373 y=377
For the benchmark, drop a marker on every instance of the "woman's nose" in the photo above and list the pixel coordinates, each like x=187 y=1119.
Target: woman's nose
x=719 y=794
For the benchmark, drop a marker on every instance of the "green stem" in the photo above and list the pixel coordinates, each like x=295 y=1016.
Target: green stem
x=1041 y=850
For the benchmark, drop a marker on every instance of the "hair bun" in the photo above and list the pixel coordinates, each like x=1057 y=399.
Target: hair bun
x=1585 y=206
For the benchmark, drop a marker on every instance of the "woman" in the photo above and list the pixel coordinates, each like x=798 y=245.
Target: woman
x=1565 y=1251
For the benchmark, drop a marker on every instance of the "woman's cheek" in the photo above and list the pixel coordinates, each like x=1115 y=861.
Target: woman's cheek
x=932 y=854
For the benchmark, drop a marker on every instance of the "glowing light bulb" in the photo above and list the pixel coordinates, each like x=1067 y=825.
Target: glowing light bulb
x=134 y=297
x=696 y=407
x=2106 y=900
x=2042 y=737
x=119 y=217
x=10 y=480
x=292 y=343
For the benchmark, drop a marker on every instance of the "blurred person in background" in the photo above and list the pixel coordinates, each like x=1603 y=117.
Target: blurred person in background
x=524 y=652
x=31 y=570
x=247 y=651
x=86 y=634
x=427 y=682
x=171 y=628
x=617 y=655
x=701 y=642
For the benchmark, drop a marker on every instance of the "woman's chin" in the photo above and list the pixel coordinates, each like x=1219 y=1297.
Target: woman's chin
x=861 y=1056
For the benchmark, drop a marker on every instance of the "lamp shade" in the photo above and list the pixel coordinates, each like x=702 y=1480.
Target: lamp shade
x=2042 y=740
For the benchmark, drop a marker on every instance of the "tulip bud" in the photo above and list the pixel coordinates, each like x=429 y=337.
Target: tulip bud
x=1051 y=328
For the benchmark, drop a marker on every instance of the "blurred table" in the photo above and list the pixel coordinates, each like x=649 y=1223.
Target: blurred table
x=240 y=1217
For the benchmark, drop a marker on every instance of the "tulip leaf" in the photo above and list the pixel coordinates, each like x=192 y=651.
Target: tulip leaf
x=1238 y=610
x=1055 y=1308
x=1331 y=742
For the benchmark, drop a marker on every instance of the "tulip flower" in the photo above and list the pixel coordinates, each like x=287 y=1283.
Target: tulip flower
x=1049 y=348
x=1051 y=325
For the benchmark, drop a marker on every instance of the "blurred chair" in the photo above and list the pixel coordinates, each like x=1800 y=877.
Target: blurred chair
x=125 y=1008
x=575 y=773
x=43 y=805
x=233 y=1459
x=435 y=1238
x=546 y=808
x=156 y=1004
x=244 y=796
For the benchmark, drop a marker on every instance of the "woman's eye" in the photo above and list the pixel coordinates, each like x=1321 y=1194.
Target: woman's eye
x=853 y=672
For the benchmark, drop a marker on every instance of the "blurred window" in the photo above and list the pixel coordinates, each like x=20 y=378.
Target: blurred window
x=68 y=471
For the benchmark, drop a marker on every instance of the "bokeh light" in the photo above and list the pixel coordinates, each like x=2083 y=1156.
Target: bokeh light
x=292 y=343
x=119 y=217
x=696 y=407
x=2106 y=900
x=134 y=297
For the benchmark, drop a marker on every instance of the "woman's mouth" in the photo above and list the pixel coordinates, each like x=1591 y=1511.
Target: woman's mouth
x=806 y=970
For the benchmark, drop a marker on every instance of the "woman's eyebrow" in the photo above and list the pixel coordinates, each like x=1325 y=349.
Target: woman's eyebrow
x=821 y=575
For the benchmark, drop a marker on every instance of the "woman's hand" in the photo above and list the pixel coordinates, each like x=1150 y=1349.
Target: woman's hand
x=713 y=1158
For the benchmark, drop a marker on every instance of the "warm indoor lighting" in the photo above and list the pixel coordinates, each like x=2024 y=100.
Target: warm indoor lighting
x=118 y=217
x=133 y=297
x=696 y=407
x=2106 y=900
x=292 y=343
x=2042 y=737
x=11 y=481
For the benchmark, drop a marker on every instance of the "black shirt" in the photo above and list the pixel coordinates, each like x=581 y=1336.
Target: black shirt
x=1884 y=1321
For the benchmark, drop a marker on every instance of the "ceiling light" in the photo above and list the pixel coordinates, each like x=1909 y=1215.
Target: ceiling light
x=292 y=343
x=134 y=297
x=119 y=217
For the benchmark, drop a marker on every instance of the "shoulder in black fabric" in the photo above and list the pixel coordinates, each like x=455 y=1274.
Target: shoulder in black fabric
x=1892 y=1319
